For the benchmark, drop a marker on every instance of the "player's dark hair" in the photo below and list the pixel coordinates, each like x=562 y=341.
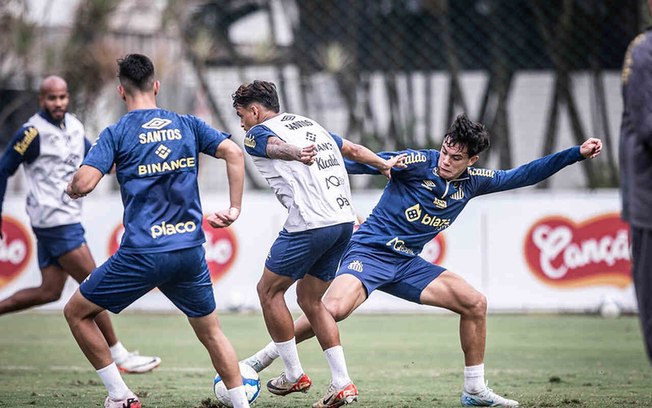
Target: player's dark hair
x=467 y=133
x=136 y=71
x=262 y=92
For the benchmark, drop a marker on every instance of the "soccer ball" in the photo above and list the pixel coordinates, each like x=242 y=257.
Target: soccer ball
x=250 y=380
x=609 y=309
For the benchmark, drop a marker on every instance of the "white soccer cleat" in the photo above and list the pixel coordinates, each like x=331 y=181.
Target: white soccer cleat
x=134 y=363
x=130 y=401
x=486 y=398
x=337 y=397
x=256 y=364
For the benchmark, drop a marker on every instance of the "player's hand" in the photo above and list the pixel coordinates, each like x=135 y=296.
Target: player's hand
x=591 y=148
x=223 y=218
x=397 y=161
x=72 y=194
x=308 y=154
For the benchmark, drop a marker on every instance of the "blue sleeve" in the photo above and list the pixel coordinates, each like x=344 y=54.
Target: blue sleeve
x=23 y=147
x=208 y=138
x=102 y=153
x=338 y=139
x=415 y=159
x=256 y=140
x=527 y=174
x=87 y=146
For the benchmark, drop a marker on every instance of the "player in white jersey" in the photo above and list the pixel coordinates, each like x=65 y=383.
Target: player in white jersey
x=304 y=165
x=51 y=146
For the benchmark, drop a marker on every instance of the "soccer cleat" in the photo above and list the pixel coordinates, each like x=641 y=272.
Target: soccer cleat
x=134 y=363
x=256 y=364
x=281 y=386
x=337 y=397
x=486 y=398
x=130 y=401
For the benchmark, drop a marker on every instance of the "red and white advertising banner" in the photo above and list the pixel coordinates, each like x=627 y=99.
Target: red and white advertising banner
x=526 y=251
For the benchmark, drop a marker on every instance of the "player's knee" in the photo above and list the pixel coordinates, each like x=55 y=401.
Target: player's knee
x=336 y=309
x=478 y=306
x=48 y=295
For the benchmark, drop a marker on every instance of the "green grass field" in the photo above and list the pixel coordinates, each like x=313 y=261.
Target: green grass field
x=395 y=360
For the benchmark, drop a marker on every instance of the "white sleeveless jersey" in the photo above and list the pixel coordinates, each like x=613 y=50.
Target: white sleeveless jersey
x=61 y=153
x=318 y=195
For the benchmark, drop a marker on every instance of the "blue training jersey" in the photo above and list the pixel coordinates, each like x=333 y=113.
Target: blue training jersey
x=156 y=156
x=417 y=204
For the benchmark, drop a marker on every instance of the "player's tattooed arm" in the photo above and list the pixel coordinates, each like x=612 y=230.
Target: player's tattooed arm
x=278 y=149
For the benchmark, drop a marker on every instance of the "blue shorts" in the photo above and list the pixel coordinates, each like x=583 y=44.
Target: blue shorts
x=181 y=275
x=51 y=243
x=389 y=272
x=315 y=252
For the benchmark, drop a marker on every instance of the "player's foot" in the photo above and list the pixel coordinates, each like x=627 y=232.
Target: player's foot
x=256 y=364
x=130 y=401
x=281 y=386
x=486 y=398
x=134 y=363
x=337 y=397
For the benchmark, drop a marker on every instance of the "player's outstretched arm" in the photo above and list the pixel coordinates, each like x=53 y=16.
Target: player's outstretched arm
x=361 y=154
x=235 y=172
x=591 y=148
x=84 y=181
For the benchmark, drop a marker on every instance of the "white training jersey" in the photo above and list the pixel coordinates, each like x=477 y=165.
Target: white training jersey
x=316 y=196
x=61 y=154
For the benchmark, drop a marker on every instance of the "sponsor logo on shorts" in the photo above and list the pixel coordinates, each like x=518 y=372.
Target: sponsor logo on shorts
x=563 y=253
x=15 y=250
x=166 y=228
x=356 y=266
x=398 y=245
x=156 y=123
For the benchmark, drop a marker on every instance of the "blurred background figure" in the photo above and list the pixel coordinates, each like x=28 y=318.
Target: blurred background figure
x=636 y=170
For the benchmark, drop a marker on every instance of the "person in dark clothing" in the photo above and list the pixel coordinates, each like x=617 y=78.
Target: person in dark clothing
x=636 y=170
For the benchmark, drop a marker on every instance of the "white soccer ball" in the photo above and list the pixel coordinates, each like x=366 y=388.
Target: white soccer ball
x=250 y=380
x=609 y=309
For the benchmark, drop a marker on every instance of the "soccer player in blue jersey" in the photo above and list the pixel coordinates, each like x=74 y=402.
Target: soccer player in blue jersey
x=155 y=153
x=303 y=163
x=419 y=202
x=50 y=147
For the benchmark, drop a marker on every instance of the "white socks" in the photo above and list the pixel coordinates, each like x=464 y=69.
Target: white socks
x=118 y=352
x=474 y=379
x=238 y=397
x=113 y=382
x=268 y=354
x=288 y=352
x=335 y=358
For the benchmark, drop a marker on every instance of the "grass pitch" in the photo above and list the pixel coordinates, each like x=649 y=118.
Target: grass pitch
x=395 y=360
